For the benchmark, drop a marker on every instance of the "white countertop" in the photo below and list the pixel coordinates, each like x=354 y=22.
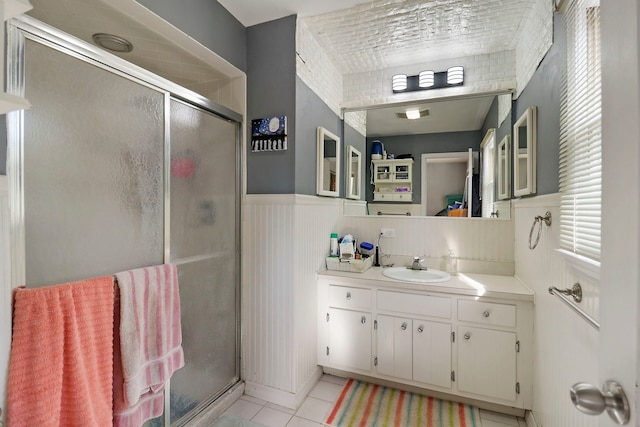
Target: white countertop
x=481 y=285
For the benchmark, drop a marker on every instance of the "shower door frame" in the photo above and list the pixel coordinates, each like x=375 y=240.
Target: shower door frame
x=24 y=27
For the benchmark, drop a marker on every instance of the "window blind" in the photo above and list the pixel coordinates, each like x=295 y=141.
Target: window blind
x=580 y=133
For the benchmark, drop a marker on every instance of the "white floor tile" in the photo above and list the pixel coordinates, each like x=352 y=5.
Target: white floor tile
x=272 y=417
x=326 y=391
x=243 y=409
x=301 y=422
x=281 y=408
x=253 y=400
x=314 y=410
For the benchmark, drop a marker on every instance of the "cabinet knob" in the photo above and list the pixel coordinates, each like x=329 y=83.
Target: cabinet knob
x=420 y=329
x=363 y=320
x=467 y=336
x=348 y=295
x=404 y=326
x=486 y=313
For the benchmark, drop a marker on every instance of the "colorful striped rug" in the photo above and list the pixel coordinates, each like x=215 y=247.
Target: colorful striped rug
x=368 y=405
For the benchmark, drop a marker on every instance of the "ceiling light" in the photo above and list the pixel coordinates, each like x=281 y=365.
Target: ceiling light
x=112 y=43
x=426 y=78
x=413 y=114
x=399 y=82
x=455 y=75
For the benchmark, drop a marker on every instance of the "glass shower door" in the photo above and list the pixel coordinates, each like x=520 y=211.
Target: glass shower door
x=203 y=243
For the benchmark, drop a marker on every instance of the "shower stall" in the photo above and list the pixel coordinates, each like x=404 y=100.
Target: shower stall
x=114 y=168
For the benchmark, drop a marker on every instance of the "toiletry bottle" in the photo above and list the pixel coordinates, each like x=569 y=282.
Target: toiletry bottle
x=333 y=245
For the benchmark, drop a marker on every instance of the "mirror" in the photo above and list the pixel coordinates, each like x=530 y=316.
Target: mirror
x=446 y=126
x=504 y=168
x=524 y=154
x=328 y=167
x=353 y=174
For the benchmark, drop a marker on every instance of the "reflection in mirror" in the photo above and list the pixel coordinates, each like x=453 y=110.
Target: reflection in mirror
x=328 y=163
x=487 y=155
x=504 y=168
x=524 y=154
x=451 y=125
x=353 y=173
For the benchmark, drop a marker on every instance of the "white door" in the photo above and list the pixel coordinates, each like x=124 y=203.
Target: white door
x=620 y=278
x=350 y=339
x=432 y=353
x=394 y=342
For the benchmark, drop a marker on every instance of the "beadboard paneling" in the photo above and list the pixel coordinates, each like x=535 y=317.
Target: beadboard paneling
x=5 y=289
x=565 y=346
x=286 y=238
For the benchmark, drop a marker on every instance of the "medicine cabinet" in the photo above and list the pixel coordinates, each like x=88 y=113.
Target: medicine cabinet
x=524 y=154
x=354 y=173
x=504 y=168
x=328 y=167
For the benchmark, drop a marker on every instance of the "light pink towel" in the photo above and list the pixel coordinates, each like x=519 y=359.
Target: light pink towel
x=150 y=341
x=60 y=372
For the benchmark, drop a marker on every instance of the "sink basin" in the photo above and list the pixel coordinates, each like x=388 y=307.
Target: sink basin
x=420 y=276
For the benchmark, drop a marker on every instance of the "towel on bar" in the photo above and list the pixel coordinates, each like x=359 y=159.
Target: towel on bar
x=150 y=337
x=60 y=371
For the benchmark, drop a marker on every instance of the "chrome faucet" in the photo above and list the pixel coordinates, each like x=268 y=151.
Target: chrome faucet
x=417 y=264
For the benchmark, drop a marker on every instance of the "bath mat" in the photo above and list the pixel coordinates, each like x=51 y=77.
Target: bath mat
x=368 y=405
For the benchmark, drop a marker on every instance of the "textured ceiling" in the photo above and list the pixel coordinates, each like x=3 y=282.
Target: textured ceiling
x=388 y=33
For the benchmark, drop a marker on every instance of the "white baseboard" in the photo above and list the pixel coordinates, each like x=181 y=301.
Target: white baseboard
x=281 y=397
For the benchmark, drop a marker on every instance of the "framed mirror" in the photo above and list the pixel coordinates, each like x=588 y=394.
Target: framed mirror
x=328 y=167
x=524 y=154
x=504 y=168
x=353 y=174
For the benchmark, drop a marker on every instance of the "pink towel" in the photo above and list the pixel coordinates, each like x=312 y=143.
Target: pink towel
x=60 y=372
x=150 y=341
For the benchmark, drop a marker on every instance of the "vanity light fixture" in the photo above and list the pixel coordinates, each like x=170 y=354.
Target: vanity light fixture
x=426 y=79
x=399 y=82
x=454 y=76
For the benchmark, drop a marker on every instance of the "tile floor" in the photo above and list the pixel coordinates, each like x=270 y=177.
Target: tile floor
x=316 y=407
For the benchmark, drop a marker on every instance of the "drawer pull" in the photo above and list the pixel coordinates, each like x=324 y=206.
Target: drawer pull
x=404 y=326
x=467 y=336
x=348 y=295
x=420 y=329
x=363 y=320
x=486 y=313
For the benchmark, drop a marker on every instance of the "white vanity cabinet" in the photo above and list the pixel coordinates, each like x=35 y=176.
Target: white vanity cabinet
x=447 y=339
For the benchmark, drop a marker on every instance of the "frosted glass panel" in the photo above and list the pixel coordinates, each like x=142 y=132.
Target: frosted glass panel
x=93 y=170
x=203 y=183
x=203 y=244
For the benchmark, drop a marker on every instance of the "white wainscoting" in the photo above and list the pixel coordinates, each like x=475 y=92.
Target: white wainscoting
x=5 y=291
x=565 y=346
x=285 y=241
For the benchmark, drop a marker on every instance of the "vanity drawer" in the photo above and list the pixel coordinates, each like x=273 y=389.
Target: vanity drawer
x=349 y=298
x=487 y=313
x=424 y=305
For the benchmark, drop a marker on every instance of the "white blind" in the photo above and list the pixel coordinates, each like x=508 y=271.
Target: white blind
x=580 y=133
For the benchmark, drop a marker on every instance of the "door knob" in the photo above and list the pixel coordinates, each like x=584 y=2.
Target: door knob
x=591 y=401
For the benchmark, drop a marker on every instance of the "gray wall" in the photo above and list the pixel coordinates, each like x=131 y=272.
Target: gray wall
x=417 y=145
x=543 y=91
x=271 y=91
x=312 y=112
x=209 y=23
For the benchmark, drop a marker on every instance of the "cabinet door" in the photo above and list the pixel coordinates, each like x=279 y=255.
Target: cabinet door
x=487 y=362
x=394 y=346
x=432 y=353
x=350 y=339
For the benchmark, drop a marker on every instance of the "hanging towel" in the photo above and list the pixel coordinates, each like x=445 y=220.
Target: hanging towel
x=60 y=371
x=150 y=340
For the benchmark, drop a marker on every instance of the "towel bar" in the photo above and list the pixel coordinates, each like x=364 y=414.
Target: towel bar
x=389 y=213
x=576 y=293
